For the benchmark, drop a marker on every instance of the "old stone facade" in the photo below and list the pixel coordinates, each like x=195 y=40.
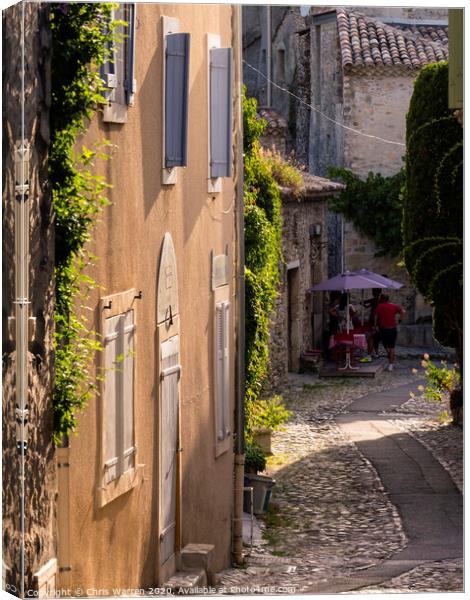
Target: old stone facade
x=362 y=62
x=298 y=316
x=33 y=209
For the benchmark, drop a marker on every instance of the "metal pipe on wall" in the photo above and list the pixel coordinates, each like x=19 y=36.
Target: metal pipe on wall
x=239 y=445
x=21 y=300
x=268 y=56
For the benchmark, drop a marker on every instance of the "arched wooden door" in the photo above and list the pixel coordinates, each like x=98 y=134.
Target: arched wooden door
x=169 y=371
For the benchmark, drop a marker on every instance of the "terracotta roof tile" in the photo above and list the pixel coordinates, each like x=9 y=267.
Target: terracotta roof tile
x=365 y=41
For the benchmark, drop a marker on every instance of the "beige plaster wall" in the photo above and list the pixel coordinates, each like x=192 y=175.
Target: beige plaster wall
x=116 y=545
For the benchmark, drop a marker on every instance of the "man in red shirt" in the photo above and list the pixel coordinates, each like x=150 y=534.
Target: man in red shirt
x=385 y=320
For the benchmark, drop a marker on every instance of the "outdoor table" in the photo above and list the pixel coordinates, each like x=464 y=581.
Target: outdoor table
x=351 y=340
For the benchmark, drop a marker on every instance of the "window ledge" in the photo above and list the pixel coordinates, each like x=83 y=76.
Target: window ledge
x=126 y=482
x=114 y=112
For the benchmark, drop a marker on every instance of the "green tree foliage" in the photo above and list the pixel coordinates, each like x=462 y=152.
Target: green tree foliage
x=263 y=252
x=433 y=203
x=373 y=206
x=82 y=34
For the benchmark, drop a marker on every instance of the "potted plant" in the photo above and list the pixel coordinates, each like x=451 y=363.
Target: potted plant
x=261 y=485
x=268 y=416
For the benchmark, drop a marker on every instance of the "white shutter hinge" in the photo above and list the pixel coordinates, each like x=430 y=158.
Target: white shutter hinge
x=22 y=156
x=111 y=80
x=22 y=416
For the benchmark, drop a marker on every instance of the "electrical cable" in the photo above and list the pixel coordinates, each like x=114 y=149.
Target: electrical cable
x=356 y=131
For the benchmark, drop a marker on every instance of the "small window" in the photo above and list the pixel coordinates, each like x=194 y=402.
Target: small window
x=117 y=395
x=118 y=73
x=281 y=64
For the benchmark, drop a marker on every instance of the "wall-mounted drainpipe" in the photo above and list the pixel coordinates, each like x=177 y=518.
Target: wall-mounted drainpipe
x=268 y=56
x=22 y=301
x=239 y=447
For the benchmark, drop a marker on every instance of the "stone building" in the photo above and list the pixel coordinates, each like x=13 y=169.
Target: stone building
x=27 y=307
x=298 y=315
x=151 y=481
x=355 y=67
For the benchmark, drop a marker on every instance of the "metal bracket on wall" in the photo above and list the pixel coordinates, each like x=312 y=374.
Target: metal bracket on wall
x=22 y=416
x=22 y=156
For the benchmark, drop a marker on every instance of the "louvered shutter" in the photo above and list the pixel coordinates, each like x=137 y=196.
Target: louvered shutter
x=127 y=375
x=170 y=373
x=108 y=68
x=130 y=85
x=112 y=349
x=176 y=99
x=221 y=112
x=222 y=370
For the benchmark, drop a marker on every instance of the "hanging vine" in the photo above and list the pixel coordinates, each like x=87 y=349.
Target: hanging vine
x=82 y=35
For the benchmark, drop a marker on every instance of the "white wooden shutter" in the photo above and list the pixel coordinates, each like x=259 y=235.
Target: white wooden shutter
x=108 y=70
x=222 y=370
x=119 y=444
x=170 y=373
x=128 y=446
x=130 y=83
x=112 y=349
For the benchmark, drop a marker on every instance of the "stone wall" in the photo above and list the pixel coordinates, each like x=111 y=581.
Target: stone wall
x=377 y=103
x=40 y=472
x=310 y=256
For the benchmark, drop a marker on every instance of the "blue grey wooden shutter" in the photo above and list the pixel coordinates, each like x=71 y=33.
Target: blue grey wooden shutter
x=176 y=99
x=130 y=59
x=221 y=112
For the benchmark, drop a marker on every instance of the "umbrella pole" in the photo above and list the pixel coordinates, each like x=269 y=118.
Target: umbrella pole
x=347 y=311
x=362 y=298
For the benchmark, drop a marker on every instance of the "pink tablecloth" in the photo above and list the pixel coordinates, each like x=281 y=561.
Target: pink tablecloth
x=359 y=339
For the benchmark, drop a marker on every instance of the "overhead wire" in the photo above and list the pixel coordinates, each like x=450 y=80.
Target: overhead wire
x=356 y=131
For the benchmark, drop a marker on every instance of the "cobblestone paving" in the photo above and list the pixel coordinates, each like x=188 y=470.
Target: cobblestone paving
x=331 y=516
x=439 y=576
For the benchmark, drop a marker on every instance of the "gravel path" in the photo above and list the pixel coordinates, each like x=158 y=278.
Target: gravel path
x=331 y=516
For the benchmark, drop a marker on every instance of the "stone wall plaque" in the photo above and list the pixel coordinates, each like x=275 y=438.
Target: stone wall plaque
x=167 y=291
x=220 y=270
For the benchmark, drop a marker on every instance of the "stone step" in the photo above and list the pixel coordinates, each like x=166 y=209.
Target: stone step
x=181 y=581
x=198 y=556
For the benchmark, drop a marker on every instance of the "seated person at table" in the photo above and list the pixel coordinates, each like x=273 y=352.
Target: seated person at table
x=385 y=322
x=342 y=314
x=333 y=312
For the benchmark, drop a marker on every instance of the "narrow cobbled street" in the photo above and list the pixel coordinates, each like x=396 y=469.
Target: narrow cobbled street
x=368 y=492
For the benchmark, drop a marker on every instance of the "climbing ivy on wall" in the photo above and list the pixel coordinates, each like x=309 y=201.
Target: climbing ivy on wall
x=263 y=255
x=373 y=206
x=82 y=34
x=433 y=203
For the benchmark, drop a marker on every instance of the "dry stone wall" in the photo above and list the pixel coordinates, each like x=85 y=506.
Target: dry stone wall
x=311 y=257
